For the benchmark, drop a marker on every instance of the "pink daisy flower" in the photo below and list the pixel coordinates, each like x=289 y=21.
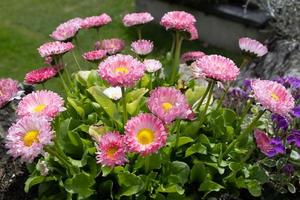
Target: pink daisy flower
x=8 y=89
x=191 y=56
x=145 y=134
x=169 y=104
x=133 y=19
x=67 y=30
x=216 y=67
x=41 y=103
x=111 y=149
x=121 y=70
x=94 y=55
x=40 y=75
x=112 y=46
x=96 y=21
x=273 y=96
x=252 y=46
x=55 y=48
x=180 y=20
x=142 y=47
x=28 y=136
x=152 y=65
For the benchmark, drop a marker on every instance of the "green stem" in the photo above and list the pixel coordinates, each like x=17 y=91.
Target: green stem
x=53 y=152
x=223 y=97
x=245 y=62
x=177 y=129
x=139 y=32
x=147 y=164
x=245 y=111
x=176 y=57
x=61 y=61
x=73 y=54
x=173 y=44
x=150 y=77
x=124 y=105
x=207 y=103
x=204 y=95
x=63 y=81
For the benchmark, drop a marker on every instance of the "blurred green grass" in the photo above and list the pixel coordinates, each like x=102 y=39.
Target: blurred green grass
x=25 y=25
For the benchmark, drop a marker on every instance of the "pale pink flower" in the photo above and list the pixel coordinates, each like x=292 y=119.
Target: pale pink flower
x=252 y=46
x=114 y=93
x=111 y=149
x=48 y=60
x=94 y=55
x=96 y=21
x=142 y=47
x=193 y=32
x=145 y=134
x=40 y=75
x=152 y=65
x=41 y=103
x=55 y=48
x=121 y=70
x=191 y=56
x=216 y=67
x=133 y=19
x=8 y=89
x=67 y=30
x=28 y=136
x=273 y=96
x=112 y=46
x=169 y=104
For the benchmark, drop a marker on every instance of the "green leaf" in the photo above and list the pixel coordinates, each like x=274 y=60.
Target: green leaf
x=193 y=94
x=174 y=188
x=229 y=116
x=198 y=173
x=234 y=166
x=259 y=174
x=82 y=77
x=106 y=170
x=254 y=187
x=210 y=186
x=130 y=184
x=106 y=188
x=195 y=148
x=203 y=139
x=76 y=105
x=94 y=79
x=134 y=99
x=179 y=173
x=31 y=181
x=269 y=162
x=291 y=188
x=184 y=140
x=80 y=184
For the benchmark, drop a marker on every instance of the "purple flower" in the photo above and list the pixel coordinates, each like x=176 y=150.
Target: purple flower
x=296 y=111
x=293 y=81
x=247 y=85
x=238 y=93
x=294 y=138
x=280 y=122
x=289 y=169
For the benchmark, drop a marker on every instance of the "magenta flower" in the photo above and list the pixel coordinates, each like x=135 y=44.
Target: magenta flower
x=8 y=89
x=191 y=56
x=216 y=67
x=96 y=21
x=41 y=103
x=121 y=70
x=94 y=56
x=252 y=46
x=152 y=65
x=145 y=134
x=67 y=30
x=142 y=47
x=28 y=136
x=40 y=75
x=112 y=46
x=55 y=48
x=273 y=96
x=268 y=146
x=111 y=149
x=133 y=19
x=169 y=104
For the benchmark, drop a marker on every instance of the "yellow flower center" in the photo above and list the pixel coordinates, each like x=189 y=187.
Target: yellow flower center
x=112 y=151
x=122 y=70
x=167 y=106
x=39 y=108
x=30 y=137
x=275 y=96
x=145 y=136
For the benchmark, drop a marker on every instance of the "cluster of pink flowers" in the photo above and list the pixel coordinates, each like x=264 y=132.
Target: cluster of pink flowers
x=142 y=47
x=133 y=19
x=8 y=89
x=40 y=75
x=252 y=46
x=191 y=56
x=96 y=21
x=94 y=55
x=67 y=30
x=112 y=46
x=181 y=21
x=55 y=48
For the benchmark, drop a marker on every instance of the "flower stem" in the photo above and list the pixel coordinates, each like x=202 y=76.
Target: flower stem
x=147 y=164
x=212 y=84
x=63 y=81
x=176 y=57
x=54 y=153
x=150 y=84
x=177 y=129
x=124 y=105
x=245 y=111
x=73 y=53
x=204 y=95
x=223 y=97
x=139 y=32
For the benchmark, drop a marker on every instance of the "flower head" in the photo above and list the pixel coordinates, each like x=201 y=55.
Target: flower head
x=111 y=149
x=28 y=136
x=145 y=134
x=273 y=96
x=67 y=30
x=114 y=93
x=268 y=146
x=252 y=46
x=112 y=46
x=152 y=65
x=40 y=75
x=96 y=21
x=142 y=47
x=8 y=89
x=216 y=67
x=133 y=19
x=280 y=122
x=55 y=48
x=94 y=55
x=180 y=20
x=168 y=104
x=121 y=70
x=294 y=138
x=296 y=111
x=191 y=56
x=41 y=103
